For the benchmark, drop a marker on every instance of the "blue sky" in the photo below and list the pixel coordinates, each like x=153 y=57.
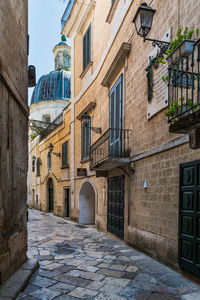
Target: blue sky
x=44 y=30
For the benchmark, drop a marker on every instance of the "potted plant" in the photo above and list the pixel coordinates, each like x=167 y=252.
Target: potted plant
x=172 y=109
x=181 y=46
x=183 y=50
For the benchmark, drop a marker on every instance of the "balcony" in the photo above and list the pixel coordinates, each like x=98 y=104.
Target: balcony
x=111 y=150
x=184 y=94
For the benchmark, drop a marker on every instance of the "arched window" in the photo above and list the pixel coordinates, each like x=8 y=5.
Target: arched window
x=49 y=160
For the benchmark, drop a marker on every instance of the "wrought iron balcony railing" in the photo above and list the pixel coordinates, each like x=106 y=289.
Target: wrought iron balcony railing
x=113 y=145
x=184 y=91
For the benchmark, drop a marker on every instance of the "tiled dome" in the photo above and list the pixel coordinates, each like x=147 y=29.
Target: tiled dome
x=53 y=86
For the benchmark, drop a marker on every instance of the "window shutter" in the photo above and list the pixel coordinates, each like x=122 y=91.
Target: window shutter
x=85 y=140
x=87 y=47
x=65 y=154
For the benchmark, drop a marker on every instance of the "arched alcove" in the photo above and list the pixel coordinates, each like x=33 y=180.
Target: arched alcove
x=87 y=197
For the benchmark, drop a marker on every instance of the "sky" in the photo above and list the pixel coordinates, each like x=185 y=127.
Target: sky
x=44 y=31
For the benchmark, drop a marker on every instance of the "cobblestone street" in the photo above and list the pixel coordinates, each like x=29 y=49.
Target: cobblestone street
x=78 y=262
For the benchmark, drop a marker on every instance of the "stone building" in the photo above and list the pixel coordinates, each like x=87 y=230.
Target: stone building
x=13 y=134
x=132 y=170
x=134 y=166
x=50 y=96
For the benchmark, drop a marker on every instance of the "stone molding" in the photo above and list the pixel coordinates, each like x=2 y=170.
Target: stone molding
x=116 y=64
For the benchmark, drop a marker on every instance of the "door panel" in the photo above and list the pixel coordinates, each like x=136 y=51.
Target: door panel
x=189 y=217
x=116 y=206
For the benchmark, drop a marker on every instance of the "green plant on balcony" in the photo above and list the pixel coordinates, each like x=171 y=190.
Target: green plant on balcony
x=175 y=43
x=172 y=110
x=181 y=106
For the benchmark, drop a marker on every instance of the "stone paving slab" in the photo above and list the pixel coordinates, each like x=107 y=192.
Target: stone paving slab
x=78 y=262
x=16 y=283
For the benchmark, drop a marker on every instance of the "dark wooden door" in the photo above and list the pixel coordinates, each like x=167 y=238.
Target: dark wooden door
x=67 y=202
x=51 y=201
x=189 y=217
x=116 y=206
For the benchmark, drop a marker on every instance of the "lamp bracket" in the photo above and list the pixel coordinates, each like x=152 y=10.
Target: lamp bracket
x=96 y=129
x=162 y=45
x=57 y=154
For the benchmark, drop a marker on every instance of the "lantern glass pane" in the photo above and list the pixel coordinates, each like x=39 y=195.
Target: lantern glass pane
x=146 y=18
x=138 y=23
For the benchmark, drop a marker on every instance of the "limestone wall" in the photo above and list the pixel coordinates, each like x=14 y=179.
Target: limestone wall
x=13 y=135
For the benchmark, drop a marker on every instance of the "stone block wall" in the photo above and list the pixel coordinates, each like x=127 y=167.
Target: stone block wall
x=13 y=135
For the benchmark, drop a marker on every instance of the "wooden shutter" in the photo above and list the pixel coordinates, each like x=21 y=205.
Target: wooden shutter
x=87 y=47
x=85 y=140
x=65 y=155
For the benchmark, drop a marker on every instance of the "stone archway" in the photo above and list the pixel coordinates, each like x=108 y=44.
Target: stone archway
x=50 y=195
x=87 y=199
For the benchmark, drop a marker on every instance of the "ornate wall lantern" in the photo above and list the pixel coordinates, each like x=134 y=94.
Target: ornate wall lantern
x=51 y=146
x=86 y=121
x=143 y=22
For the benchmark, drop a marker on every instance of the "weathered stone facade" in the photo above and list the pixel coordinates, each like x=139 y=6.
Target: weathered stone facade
x=13 y=135
x=151 y=187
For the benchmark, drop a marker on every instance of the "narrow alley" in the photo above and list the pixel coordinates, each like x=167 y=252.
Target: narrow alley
x=78 y=262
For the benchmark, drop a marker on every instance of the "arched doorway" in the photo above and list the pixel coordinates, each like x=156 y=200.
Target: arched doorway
x=87 y=204
x=50 y=195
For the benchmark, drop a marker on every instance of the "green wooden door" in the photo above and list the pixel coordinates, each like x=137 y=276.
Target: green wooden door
x=189 y=217
x=115 y=214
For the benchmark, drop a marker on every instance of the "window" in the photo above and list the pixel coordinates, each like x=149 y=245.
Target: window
x=33 y=164
x=87 y=47
x=65 y=155
x=85 y=140
x=38 y=163
x=46 y=118
x=49 y=161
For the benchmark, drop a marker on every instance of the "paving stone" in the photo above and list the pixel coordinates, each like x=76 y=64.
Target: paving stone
x=109 y=288
x=88 y=268
x=76 y=273
x=63 y=287
x=65 y=297
x=108 y=296
x=45 y=294
x=105 y=266
x=72 y=280
x=132 y=269
x=158 y=296
x=64 y=256
x=82 y=293
x=44 y=257
x=45 y=262
x=111 y=273
x=129 y=275
x=95 y=285
x=92 y=276
x=52 y=266
x=118 y=267
x=42 y=282
x=30 y=288
x=116 y=281
x=24 y=297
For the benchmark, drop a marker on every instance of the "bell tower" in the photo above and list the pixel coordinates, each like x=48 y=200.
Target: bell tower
x=62 y=55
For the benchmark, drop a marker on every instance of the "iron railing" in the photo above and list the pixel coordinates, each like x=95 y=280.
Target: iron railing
x=184 y=85
x=114 y=143
x=51 y=126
